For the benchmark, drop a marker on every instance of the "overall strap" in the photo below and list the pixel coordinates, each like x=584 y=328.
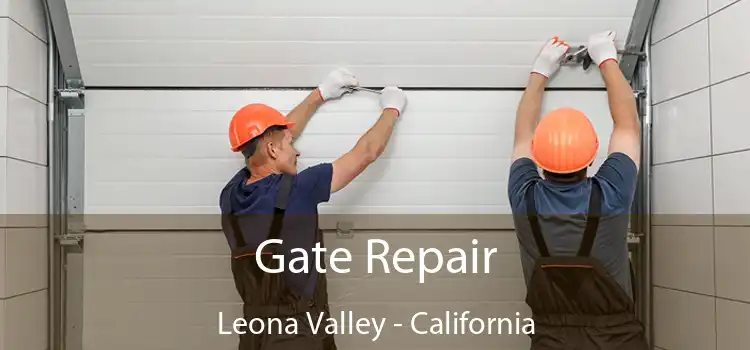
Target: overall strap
x=282 y=199
x=534 y=222
x=592 y=221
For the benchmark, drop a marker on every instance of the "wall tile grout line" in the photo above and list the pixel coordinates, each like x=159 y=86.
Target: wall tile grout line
x=679 y=31
x=728 y=79
x=701 y=88
x=23 y=294
x=23 y=93
x=24 y=161
x=713 y=180
x=709 y=15
x=27 y=30
x=702 y=157
x=715 y=297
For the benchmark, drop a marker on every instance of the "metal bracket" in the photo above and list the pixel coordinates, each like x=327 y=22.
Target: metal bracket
x=73 y=96
x=70 y=240
x=581 y=56
x=344 y=229
x=634 y=238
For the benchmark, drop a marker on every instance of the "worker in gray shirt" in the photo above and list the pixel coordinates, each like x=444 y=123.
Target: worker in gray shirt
x=572 y=228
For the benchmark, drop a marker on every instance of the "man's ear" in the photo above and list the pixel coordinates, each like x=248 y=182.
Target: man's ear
x=273 y=147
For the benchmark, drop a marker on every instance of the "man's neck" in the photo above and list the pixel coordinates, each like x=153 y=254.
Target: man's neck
x=259 y=172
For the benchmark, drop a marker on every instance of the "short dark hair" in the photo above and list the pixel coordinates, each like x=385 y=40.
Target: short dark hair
x=251 y=146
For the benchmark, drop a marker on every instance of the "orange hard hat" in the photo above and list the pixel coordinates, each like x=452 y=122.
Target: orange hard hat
x=564 y=142
x=252 y=121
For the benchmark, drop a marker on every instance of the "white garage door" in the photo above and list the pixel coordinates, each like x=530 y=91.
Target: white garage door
x=156 y=275
x=292 y=43
x=156 y=267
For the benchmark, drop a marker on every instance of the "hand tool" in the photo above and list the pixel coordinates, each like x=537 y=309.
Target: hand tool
x=581 y=56
x=363 y=89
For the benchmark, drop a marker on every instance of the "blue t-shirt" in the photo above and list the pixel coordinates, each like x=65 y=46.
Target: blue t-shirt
x=310 y=187
x=563 y=207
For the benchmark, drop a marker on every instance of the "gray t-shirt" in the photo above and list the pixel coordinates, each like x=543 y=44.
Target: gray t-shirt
x=562 y=210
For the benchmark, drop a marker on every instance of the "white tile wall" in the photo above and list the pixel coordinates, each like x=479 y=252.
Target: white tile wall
x=23 y=175
x=25 y=259
x=684 y=118
x=728 y=106
x=27 y=13
x=729 y=174
x=674 y=15
x=25 y=187
x=683 y=258
x=5 y=24
x=675 y=312
x=730 y=49
x=26 y=62
x=25 y=322
x=732 y=319
x=691 y=195
x=716 y=5
x=732 y=245
x=680 y=63
x=702 y=264
x=24 y=121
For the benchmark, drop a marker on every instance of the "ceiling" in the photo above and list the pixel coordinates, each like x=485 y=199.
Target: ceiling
x=292 y=43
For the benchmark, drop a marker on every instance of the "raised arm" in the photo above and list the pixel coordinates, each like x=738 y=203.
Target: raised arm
x=333 y=86
x=372 y=144
x=530 y=108
x=626 y=134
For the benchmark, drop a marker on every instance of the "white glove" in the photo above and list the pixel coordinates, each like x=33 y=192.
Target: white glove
x=334 y=85
x=550 y=57
x=601 y=47
x=393 y=98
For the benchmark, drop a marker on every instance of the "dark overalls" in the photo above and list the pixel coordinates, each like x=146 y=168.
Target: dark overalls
x=575 y=303
x=266 y=295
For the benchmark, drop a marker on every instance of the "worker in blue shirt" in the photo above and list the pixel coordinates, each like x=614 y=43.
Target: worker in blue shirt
x=268 y=199
x=572 y=228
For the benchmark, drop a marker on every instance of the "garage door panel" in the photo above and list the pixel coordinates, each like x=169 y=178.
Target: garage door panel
x=124 y=337
x=141 y=43
x=170 y=27
x=196 y=338
x=186 y=267
x=317 y=146
x=405 y=338
x=153 y=267
x=215 y=169
x=386 y=289
x=158 y=152
x=161 y=290
x=378 y=194
x=330 y=122
x=451 y=290
x=336 y=8
x=503 y=241
x=474 y=104
x=178 y=255
x=518 y=54
x=161 y=284
x=242 y=75
x=144 y=130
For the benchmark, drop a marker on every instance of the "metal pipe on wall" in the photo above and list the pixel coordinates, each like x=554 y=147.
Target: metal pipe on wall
x=53 y=200
x=645 y=79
